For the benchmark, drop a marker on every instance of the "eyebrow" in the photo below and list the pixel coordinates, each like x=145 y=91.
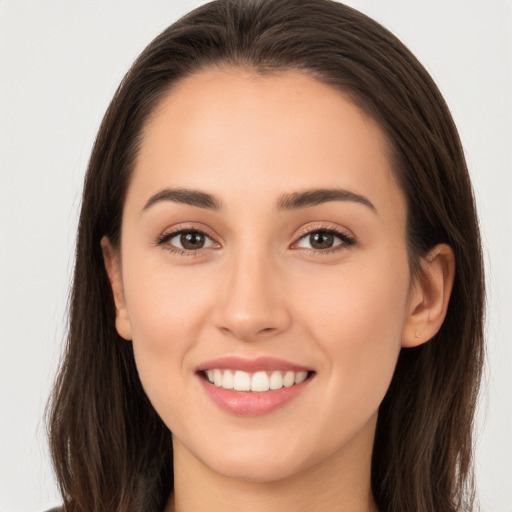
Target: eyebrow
x=318 y=196
x=291 y=201
x=184 y=196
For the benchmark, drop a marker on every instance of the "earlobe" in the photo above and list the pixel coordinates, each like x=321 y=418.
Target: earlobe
x=429 y=297
x=113 y=268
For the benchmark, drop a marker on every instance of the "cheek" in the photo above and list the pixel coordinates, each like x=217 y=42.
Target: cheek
x=167 y=312
x=166 y=305
x=357 y=320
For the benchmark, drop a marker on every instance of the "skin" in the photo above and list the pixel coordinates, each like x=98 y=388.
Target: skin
x=261 y=288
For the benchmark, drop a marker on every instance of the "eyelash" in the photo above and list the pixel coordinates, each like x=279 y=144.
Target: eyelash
x=346 y=240
x=163 y=240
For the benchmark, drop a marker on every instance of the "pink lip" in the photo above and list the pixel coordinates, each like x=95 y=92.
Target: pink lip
x=246 y=403
x=251 y=365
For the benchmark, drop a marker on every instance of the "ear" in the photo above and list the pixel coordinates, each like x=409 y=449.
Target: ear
x=113 y=267
x=429 y=296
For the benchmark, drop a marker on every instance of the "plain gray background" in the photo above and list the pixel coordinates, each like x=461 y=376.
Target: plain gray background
x=60 y=63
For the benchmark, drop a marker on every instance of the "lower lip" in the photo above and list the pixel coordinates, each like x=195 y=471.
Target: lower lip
x=247 y=403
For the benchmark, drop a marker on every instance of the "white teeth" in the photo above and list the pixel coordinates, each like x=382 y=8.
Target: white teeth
x=276 y=380
x=288 y=379
x=217 y=378
x=300 y=377
x=242 y=381
x=258 y=382
x=227 y=380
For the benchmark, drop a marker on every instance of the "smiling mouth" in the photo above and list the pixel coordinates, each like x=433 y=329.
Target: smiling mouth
x=258 y=382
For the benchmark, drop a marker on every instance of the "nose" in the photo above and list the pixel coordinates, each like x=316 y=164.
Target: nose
x=252 y=302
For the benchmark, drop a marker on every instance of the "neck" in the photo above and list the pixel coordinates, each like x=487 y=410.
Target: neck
x=341 y=482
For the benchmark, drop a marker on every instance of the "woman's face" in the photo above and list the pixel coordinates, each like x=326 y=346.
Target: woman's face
x=263 y=243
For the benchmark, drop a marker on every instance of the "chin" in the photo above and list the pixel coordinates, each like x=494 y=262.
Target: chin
x=255 y=468
x=249 y=457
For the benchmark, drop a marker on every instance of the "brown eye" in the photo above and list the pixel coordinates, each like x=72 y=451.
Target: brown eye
x=192 y=241
x=187 y=240
x=321 y=240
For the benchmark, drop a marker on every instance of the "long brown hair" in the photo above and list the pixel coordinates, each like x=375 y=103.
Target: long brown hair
x=110 y=449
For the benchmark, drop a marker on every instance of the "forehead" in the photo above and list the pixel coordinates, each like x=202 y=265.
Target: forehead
x=232 y=131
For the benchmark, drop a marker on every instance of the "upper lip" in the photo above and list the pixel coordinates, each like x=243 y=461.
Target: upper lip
x=262 y=363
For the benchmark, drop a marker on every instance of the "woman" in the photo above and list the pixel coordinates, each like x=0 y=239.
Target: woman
x=278 y=261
